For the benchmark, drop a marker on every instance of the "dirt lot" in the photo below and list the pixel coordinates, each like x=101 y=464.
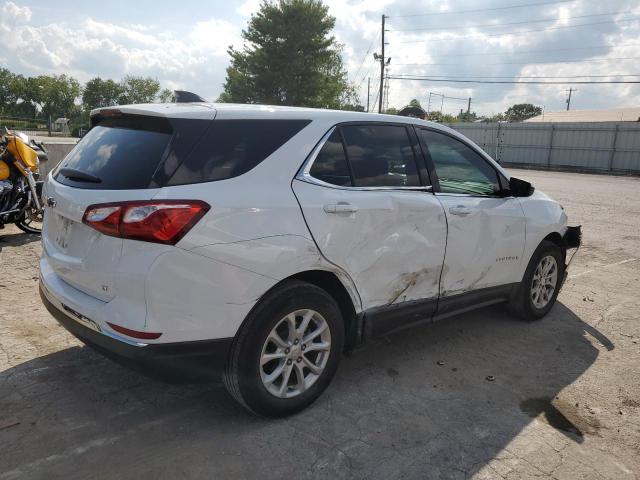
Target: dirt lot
x=564 y=402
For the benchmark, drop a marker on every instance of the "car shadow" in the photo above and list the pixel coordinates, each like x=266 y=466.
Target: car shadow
x=16 y=239
x=438 y=401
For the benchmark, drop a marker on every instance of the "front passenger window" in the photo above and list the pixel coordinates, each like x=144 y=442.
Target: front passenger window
x=458 y=167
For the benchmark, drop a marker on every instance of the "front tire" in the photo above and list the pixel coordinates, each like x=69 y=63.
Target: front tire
x=541 y=284
x=287 y=351
x=31 y=221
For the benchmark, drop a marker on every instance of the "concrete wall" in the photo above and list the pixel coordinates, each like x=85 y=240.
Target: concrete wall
x=57 y=149
x=602 y=147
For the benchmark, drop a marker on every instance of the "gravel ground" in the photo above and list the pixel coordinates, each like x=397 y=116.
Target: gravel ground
x=564 y=400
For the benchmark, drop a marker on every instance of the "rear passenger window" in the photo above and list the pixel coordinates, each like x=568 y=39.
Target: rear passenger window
x=232 y=147
x=380 y=156
x=331 y=163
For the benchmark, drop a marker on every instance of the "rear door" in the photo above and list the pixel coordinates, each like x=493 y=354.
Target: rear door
x=369 y=210
x=486 y=228
x=119 y=159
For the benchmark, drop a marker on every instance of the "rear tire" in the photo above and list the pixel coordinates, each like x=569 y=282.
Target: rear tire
x=287 y=351
x=541 y=284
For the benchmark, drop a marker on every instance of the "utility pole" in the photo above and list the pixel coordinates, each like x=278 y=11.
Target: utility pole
x=381 y=67
x=368 y=92
x=569 y=99
x=469 y=106
x=429 y=104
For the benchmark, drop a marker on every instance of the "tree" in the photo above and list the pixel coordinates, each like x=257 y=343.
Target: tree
x=53 y=96
x=522 y=111
x=289 y=58
x=415 y=103
x=498 y=117
x=138 y=90
x=440 y=117
x=8 y=92
x=391 y=111
x=166 y=96
x=467 y=116
x=101 y=93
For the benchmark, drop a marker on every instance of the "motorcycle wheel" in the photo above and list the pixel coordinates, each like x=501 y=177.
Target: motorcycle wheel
x=31 y=221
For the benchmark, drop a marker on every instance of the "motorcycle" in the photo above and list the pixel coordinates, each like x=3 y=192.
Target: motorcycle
x=20 y=186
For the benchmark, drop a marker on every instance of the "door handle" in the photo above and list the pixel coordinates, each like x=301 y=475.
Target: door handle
x=340 y=208
x=460 y=210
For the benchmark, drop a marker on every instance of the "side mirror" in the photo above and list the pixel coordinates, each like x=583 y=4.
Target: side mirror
x=520 y=188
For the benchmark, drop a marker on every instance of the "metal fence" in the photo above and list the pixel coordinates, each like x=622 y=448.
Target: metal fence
x=35 y=126
x=601 y=146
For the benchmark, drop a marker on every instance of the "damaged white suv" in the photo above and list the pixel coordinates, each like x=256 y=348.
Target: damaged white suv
x=260 y=242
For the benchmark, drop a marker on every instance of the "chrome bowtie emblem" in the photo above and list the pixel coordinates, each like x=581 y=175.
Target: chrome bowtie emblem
x=51 y=202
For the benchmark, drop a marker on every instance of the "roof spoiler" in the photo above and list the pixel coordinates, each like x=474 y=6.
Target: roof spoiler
x=182 y=96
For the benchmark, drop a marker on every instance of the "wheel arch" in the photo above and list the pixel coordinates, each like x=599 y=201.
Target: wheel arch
x=556 y=238
x=347 y=301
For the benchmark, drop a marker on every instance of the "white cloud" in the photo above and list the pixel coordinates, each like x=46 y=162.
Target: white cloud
x=194 y=56
x=96 y=48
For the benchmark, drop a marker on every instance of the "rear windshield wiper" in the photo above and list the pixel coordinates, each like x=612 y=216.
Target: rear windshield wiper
x=79 y=176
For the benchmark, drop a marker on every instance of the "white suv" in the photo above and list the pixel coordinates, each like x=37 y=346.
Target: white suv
x=195 y=239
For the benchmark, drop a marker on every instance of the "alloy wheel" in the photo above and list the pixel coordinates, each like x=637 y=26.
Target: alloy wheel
x=295 y=353
x=545 y=281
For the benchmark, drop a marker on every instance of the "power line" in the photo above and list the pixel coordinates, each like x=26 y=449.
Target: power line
x=366 y=54
x=521 y=32
x=523 y=63
x=519 y=52
x=574 y=82
x=506 y=7
x=531 y=77
x=511 y=23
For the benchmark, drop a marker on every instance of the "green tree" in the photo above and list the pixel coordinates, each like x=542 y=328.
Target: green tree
x=289 y=58
x=441 y=117
x=8 y=92
x=53 y=96
x=138 y=90
x=391 y=111
x=467 y=116
x=522 y=111
x=166 y=96
x=101 y=93
x=498 y=117
x=415 y=103
x=353 y=107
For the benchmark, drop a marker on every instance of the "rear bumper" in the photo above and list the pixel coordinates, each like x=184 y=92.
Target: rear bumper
x=180 y=361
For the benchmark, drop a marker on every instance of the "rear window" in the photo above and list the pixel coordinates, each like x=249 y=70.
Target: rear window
x=137 y=152
x=233 y=147
x=122 y=153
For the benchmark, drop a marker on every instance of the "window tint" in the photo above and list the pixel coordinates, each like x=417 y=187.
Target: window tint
x=123 y=153
x=233 y=147
x=380 y=155
x=331 y=163
x=458 y=167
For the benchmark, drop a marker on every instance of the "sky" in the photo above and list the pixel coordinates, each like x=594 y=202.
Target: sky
x=184 y=45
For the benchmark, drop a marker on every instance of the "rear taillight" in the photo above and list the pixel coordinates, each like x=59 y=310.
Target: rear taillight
x=162 y=221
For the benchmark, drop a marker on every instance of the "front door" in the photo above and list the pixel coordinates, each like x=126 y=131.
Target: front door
x=486 y=230
x=371 y=215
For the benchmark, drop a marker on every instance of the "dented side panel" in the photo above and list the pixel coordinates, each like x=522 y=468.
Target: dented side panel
x=392 y=246
x=485 y=243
